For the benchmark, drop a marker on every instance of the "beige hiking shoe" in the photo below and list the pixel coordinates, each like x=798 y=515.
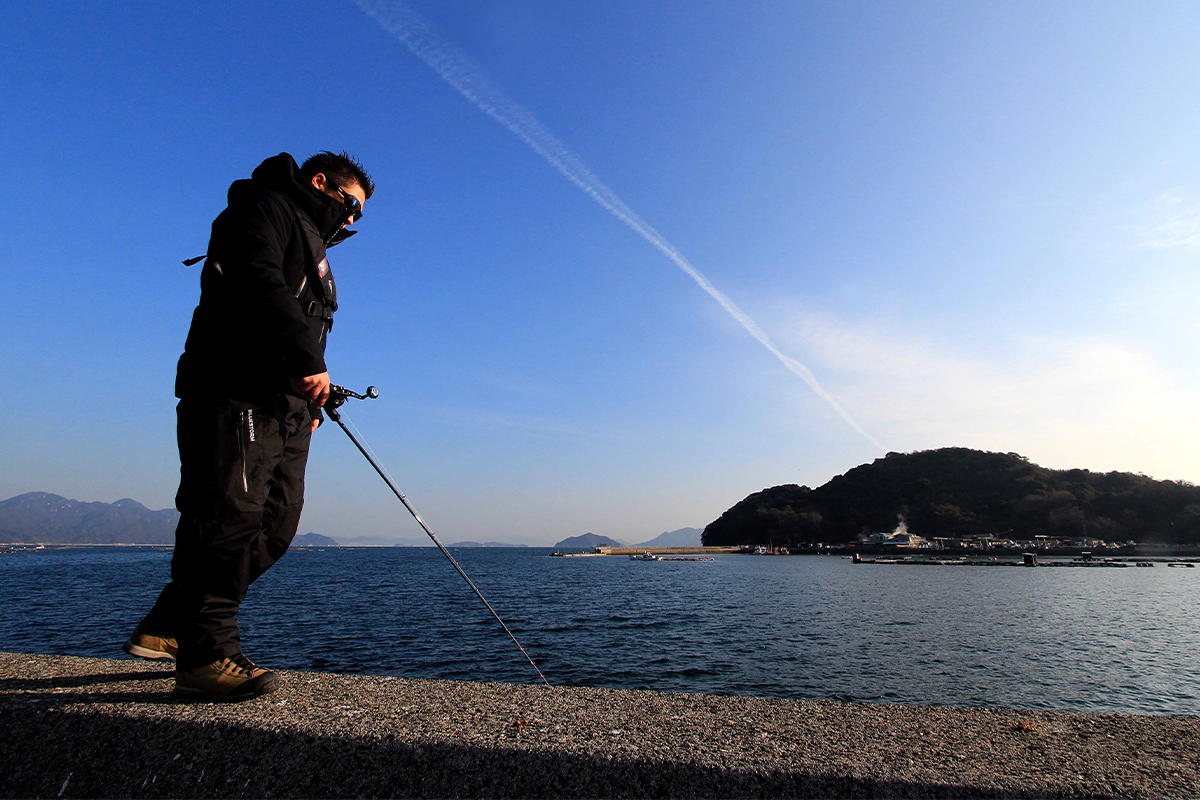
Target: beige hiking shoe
x=234 y=678
x=144 y=644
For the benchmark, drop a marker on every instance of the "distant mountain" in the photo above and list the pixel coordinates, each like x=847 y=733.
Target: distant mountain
x=587 y=541
x=957 y=492
x=485 y=544
x=314 y=540
x=683 y=537
x=378 y=541
x=50 y=518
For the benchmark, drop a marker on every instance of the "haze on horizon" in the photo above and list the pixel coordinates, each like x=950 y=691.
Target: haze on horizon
x=977 y=225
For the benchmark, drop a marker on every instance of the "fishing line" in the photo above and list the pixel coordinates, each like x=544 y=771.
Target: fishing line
x=338 y=396
x=387 y=475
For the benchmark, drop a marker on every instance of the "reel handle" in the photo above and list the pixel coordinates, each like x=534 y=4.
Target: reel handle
x=340 y=394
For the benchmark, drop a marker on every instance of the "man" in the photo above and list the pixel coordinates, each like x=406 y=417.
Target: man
x=251 y=383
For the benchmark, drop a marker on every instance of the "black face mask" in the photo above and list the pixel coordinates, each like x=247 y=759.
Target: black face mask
x=334 y=217
x=349 y=207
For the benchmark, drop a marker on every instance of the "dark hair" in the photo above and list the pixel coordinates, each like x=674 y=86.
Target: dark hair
x=341 y=168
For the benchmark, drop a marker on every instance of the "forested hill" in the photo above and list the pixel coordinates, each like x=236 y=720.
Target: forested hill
x=958 y=492
x=44 y=517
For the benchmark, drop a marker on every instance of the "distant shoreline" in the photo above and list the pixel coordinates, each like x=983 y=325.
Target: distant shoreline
x=1140 y=551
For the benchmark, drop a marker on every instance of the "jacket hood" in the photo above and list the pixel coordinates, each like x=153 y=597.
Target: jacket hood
x=281 y=174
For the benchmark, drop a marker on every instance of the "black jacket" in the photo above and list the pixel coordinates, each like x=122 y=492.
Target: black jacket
x=267 y=295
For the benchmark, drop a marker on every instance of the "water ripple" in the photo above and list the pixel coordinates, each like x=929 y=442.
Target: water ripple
x=1107 y=640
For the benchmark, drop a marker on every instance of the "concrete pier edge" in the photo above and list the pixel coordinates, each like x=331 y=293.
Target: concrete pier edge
x=79 y=727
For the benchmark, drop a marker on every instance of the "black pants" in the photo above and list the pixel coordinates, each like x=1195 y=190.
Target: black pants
x=241 y=490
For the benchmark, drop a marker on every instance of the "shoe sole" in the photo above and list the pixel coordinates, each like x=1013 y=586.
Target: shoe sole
x=146 y=653
x=255 y=687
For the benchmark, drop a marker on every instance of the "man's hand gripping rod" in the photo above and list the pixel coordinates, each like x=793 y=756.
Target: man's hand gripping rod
x=337 y=396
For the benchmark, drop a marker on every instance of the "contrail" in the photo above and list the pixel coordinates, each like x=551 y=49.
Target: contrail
x=457 y=69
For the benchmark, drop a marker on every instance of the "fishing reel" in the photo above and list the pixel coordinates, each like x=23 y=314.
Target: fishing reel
x=340 y=394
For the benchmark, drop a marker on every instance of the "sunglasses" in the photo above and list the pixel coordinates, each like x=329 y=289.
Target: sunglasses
x=353 y=207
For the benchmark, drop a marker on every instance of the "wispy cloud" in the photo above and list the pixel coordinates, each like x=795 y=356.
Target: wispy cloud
x=1083 y=402
x=468 y=80
x=1175 y=223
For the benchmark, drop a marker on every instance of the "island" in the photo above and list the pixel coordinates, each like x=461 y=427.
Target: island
x=955 y=495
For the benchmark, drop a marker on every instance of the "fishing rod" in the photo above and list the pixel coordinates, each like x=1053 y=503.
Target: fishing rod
x=337 y=396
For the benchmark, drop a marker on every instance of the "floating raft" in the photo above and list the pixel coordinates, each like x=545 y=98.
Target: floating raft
x=1027 y=560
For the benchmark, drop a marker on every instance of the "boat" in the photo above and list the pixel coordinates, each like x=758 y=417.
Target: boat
x=646 y=556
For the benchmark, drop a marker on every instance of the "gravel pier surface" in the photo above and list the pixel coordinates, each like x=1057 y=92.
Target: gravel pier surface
x=82 y=727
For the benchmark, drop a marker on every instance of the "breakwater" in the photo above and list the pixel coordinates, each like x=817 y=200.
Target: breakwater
x=80 y=727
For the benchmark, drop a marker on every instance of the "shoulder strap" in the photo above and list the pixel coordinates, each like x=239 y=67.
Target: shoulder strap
x=318 y=277
x=317 y=274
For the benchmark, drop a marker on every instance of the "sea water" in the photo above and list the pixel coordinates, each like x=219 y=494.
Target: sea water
x=1122 y=640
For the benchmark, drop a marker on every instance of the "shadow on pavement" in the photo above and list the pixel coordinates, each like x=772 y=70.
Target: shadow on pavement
x=74 y=681
x=77 y=753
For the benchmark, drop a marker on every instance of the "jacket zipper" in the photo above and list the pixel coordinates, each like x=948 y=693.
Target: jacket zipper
x=242 y=449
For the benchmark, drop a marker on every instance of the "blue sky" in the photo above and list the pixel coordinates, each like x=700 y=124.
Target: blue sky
x=977 y=224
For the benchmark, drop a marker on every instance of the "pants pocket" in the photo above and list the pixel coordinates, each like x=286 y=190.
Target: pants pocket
x=227 y=452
